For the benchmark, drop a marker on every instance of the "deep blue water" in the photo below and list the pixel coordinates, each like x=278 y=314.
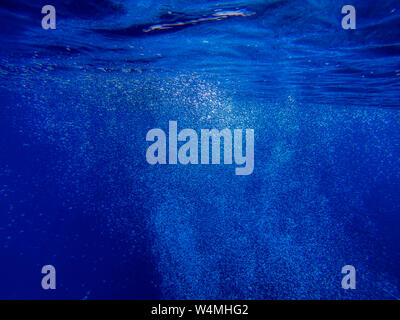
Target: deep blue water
x=76 y=191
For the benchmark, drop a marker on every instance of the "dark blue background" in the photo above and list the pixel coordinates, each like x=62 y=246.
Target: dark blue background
x=76 y=191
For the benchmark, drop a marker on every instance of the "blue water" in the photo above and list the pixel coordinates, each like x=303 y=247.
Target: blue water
x=76 y=191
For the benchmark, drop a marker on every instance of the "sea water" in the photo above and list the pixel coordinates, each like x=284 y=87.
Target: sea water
x=76 y=191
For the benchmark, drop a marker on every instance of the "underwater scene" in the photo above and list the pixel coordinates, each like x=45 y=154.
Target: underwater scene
x=175 y=149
